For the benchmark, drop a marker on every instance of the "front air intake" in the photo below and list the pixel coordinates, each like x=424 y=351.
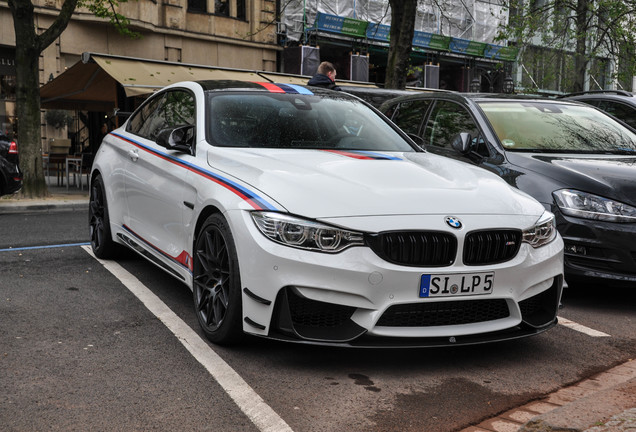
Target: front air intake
x=444 y=313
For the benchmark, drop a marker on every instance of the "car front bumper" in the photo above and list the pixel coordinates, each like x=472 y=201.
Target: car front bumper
x=597 y=251
x=355 y=298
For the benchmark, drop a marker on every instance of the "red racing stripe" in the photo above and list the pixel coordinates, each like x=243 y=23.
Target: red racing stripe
x=273 y=88
x=349 y=154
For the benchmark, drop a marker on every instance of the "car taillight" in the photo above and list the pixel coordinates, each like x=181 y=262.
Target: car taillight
x=13 y=148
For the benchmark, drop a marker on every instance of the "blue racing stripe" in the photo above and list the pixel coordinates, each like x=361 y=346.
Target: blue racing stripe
x=246 y=194
x=299 y=89
x=375 y=155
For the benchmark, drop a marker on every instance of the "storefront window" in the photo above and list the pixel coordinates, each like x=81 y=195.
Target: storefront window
x=8 y=123
x=222 y=7
x=240 y=10
x=197 y=6
x=7 y=87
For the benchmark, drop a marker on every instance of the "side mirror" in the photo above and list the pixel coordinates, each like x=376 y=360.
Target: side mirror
x=462 y=143
x=179 y=138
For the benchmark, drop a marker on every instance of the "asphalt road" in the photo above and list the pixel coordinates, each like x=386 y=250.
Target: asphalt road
x=79 y=351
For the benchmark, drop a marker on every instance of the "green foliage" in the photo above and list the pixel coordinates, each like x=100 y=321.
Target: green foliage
x=106 y=9
x=58 y=118
x=573 y=35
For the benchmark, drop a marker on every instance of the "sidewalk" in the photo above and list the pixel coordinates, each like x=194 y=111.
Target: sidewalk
x=60 y=198
x=603 y=403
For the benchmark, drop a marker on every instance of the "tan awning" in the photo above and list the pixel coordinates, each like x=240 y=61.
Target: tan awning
x=143 y=76
x=283 y=78
x=82 y=87
x=91 y=84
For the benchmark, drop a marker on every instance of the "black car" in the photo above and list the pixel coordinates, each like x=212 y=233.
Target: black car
x=619 y=103
x=10 y=174
x=377 y=96
x=576 y=160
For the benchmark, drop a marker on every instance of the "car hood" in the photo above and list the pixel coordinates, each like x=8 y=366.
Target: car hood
x=609 y=176
x=317 y=183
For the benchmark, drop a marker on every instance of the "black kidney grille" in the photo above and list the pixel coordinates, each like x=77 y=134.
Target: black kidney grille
x=415 y=248
x=444 y=313
x=491 y=247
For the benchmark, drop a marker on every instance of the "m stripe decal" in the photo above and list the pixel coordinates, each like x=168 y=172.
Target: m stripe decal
x=292 y=88
x=363 y=155
x=184 y=259
x=251 y=198
x=273 y=88
x=285 y=88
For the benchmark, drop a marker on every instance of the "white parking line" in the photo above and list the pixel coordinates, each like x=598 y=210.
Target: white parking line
x=252 y=405
x=581 y=328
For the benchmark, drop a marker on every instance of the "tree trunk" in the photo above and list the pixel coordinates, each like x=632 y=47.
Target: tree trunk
x=28 y=46
x=580 y=55
x=28 y=99
x=401 y=35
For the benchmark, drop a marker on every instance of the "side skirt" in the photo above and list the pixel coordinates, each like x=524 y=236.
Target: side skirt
x=137 y=247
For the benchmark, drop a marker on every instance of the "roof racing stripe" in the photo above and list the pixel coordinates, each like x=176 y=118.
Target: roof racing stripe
x=292 y=88
x=250 y=197
x=285 y=88
x=273 y=88
x=359 y=154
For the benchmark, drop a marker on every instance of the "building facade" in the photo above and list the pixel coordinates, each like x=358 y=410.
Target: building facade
x=226 y=33
x=454 y=45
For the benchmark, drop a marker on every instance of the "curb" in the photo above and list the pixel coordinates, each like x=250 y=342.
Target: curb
x=48 y=205
x=603 y=403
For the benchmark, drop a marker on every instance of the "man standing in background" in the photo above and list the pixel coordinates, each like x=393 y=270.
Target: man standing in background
x=325 y=77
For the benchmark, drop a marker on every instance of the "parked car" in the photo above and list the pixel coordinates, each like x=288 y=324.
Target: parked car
x=10 y=174
x=303 y=215
x=377 y=96
x=619 y=103
x=579 y=162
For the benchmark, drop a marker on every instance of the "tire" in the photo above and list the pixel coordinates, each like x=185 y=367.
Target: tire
x=99 y=223
x=216 y=285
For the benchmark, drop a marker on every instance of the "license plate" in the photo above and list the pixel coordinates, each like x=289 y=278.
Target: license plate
x=458 y=284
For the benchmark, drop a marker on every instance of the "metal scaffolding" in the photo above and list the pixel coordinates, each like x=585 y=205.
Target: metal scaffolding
x=475 y=20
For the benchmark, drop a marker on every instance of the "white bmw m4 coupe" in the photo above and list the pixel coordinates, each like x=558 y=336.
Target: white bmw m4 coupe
x=302 y=214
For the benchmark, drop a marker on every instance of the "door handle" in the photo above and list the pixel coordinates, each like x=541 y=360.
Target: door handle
x=133 y=155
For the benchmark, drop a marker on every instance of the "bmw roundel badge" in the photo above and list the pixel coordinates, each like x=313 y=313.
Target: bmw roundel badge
x=453 y=222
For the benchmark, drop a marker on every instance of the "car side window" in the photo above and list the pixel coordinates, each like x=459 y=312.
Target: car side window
x=448 y=119
x=409 y=115
x=620 y=111
x=172 y=109
x=139 y=119
x=594 y=102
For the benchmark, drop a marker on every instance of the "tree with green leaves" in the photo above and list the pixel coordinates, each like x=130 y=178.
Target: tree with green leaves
x=572 y=37
x=29 y=46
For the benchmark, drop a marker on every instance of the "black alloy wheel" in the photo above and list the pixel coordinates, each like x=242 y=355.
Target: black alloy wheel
x=216 y=283
x=98 y=221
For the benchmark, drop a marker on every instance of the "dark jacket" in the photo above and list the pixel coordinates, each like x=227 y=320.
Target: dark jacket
x=320 y=80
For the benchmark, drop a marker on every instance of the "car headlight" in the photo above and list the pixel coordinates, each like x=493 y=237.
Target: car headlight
x=587 y=206
x=305 y=234
x=543 y=232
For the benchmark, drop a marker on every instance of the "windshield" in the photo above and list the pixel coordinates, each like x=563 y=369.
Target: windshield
x=552 y=127
x=298 y=121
